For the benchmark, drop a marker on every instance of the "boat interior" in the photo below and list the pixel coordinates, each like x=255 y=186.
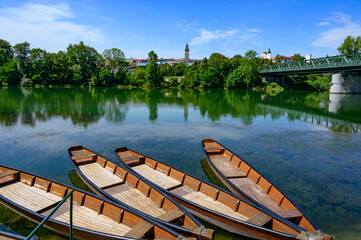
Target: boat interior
x=253 y=184
x=127 y=188
x=198 y=192
x=39 y=195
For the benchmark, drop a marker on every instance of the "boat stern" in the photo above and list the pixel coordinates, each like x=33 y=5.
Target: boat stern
x=313 y=235
x=203 y=233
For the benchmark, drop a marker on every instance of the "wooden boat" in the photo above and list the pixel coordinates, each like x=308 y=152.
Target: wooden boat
x=213 y=204
x=243 y=180
x=121 y=186
x=12 y=236
x=94 y=217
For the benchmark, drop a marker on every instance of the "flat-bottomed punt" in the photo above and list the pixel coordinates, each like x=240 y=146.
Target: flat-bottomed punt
x=35 y=197
x=243 y=180
x=13 y=236
x=121 y=186
x=213 y=204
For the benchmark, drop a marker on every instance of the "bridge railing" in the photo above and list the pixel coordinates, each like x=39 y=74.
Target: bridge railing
x=317 y=63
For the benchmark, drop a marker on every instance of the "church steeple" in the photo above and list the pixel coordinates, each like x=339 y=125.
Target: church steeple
x=187 y=48
x=186 y=54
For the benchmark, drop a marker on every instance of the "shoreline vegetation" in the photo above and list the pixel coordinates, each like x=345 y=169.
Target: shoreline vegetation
x=82 y=66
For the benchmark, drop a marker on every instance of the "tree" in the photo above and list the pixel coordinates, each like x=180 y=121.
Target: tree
x=210 y=78
x=350 y=45
x=22 y=53
x=180 y=69
x=153 y=78
x=245 y=76
x=84 y=61
x=221 y=66
x=6 y=52
x=279 y=58
x=9 y=73
x=38 y=69
x=236 y=61
x=250 y=54
x=297 y=57
x=138 y=77
x=114 y=59
x=167 y=70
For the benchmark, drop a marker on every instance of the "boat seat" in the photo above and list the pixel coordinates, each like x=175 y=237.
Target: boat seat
x=172 y=215
x=130 y=158
x=260 y=219
x=290 y=213
x=139 y=230
x=8 y=173
x=83 y=156
x=213 y=148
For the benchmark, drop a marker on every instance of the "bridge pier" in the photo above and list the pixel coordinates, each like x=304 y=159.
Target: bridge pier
x=346 y=83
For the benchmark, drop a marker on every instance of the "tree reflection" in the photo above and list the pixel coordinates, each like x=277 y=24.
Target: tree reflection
x=86 y=106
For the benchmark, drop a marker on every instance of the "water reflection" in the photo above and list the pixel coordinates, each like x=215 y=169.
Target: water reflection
x=87 y=106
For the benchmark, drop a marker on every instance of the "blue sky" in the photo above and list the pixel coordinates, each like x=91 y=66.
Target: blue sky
x=227 y=27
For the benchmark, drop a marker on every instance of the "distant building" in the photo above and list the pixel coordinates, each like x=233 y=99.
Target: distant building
x=186 y=54
x=170 y=61
x=266 y=55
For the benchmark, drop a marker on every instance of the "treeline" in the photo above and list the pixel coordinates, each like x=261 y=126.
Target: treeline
x=82 y=65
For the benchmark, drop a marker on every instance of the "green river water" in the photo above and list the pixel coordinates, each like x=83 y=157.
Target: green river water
x=306 y=143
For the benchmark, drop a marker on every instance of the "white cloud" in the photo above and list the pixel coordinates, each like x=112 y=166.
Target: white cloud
x=207 y=36
x=323 y=23
x=340 y=26
x=45 y=26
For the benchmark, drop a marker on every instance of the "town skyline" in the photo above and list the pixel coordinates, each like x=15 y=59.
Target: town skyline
x=137 y=28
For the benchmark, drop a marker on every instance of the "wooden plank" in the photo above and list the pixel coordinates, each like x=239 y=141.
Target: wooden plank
x=31 y=198
x=133 y=157
x=156 y=176
x=139 y=230
x=100 y=176
x=208 y=202
x=214 y=148
x=290 y=213
x=138 y=200
x=256 y=192
x=260 y=219
x=172 y=215
x=8 y=173
x=226 y=167
x=78 y=157
x=86 y=218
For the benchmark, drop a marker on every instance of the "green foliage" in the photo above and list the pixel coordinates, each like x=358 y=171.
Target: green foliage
x=114 y=59
x=6 y=52
x=297 y=57
x=236 y=61
x=319 y=82
x=9 y=73
x=245 y=76
x=84 y=61
x=190 y=80
x=166 y=70
x=250 y=54
x=153 y=77
x=210 y=78
x=180 y=69
x=138 y=77
x=279 y=58
x=350 y=45
x=21 y=56
x=173 y=82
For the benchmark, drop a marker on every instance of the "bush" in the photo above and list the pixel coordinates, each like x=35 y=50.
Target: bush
x=245 y=76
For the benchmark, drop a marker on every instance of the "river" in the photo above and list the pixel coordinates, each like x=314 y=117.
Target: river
x=307 y=143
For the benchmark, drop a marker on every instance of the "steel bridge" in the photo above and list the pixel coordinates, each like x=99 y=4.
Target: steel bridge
x=335 y=64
